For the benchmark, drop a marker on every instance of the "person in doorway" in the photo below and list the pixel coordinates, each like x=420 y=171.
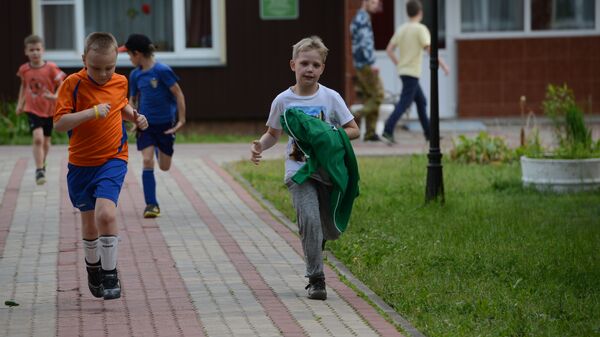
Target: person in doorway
x=410 y=39
x=39 y=81
x=368 y=84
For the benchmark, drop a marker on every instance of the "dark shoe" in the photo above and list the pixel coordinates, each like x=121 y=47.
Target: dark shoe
x=40 y=176
x=111 y=287
x=94 y=279
x=316 y=289
x=373 y=138
x=388 y=138
x=151 y=211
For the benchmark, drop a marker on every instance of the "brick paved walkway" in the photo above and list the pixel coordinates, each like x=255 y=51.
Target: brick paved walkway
x=214 y=264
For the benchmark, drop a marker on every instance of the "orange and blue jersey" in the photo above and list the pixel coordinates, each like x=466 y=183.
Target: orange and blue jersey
x=94 y=142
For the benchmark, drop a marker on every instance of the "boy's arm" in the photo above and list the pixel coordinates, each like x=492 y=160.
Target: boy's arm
x=266 y=141
x=441 y=62
x=131 y=115
x=176 y=90
x=21 y=99
x=133 y=101
x=352 y=129
x=69 y=121
x=390 y=52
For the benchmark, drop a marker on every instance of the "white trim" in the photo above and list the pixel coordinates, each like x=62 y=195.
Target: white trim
x=527 y=16
x=526 y=35
x=181 y=55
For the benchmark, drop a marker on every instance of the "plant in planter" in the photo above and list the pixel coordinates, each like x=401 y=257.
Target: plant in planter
x=574 y=164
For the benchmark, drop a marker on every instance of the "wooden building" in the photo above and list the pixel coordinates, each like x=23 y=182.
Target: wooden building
x=233 y=56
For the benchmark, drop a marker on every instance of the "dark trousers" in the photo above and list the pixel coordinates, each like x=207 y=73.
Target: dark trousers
x=411 y=92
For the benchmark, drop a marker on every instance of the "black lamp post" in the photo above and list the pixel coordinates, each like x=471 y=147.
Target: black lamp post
x=435 y=178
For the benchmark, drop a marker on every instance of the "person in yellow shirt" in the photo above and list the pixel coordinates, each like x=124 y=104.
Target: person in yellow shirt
x=410 y=39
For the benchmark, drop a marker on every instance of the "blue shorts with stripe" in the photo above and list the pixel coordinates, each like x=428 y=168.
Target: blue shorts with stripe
x=87 y=183
x=155 y=136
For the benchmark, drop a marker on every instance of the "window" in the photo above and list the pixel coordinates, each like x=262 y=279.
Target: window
x=491 y=15
x=185 y=32
x=562 y=14
x=441 y=7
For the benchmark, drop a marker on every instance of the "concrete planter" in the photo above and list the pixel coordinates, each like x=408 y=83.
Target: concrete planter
x=561 y=175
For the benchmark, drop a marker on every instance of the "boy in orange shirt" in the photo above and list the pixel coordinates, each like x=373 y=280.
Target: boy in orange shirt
x=39 y=82
x=92 y=106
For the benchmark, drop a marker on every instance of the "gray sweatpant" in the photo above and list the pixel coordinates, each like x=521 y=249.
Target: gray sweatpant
x=311 y=201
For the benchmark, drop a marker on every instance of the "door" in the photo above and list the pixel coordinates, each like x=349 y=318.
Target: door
x=393 y=15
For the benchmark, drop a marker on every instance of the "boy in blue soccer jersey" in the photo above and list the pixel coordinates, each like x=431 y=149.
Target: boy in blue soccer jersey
x=154 y=90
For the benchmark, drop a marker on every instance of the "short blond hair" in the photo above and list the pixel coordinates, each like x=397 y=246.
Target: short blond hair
x=100 y=42
x=310 y=43
x=33 y=39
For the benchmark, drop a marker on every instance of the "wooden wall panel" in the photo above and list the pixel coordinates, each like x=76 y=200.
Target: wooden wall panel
x=494 y=74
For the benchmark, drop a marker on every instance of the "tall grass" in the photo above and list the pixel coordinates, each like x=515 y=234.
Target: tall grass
x=495 y=260
x=14 y=129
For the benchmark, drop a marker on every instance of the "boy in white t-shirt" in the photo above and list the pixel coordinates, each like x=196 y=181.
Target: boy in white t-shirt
x=313 y=98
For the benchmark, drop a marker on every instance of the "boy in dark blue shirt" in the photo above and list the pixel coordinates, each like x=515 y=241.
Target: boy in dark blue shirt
x=154 y=90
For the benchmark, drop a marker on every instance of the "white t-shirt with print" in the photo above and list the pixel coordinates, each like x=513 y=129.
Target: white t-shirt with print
x=326 y=104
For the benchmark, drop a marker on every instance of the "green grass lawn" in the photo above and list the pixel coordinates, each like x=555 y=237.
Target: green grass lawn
x=495 y=260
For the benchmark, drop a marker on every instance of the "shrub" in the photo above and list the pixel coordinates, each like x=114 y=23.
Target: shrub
x=573 y=136
x=14 y=129
x=11 y=125
x=483 y=149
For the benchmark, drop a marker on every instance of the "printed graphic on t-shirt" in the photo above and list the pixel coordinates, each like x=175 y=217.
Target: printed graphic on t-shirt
x=154 y=82
x=37 y=86
x=314 y=111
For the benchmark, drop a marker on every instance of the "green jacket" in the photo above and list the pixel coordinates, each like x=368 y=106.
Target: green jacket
x=326 y=147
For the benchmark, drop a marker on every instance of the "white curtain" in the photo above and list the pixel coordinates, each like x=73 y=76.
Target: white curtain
x=573 y=14
x=153 y=18
x=491 y=15
x=59 y=27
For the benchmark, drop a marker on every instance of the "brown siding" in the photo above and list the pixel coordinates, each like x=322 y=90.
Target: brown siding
x=494 y=74
x=15 y=26
x=350 y=8
x=258 y=54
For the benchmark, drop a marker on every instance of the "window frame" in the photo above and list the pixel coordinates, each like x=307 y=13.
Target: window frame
x=527 y=32
x=181 y=56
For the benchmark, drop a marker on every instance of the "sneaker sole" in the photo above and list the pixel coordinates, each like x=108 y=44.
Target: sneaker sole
x=150 y=215
x=318 y=296
x=40 y=181
x=97 y=292
x=112 y=294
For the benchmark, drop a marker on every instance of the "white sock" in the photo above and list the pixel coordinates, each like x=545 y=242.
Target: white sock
x=90 y=248
x=108 y=251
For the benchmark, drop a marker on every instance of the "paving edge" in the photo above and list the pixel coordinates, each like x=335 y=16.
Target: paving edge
x=336 y=265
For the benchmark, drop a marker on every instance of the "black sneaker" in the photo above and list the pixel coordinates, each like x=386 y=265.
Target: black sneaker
x=388 y=138
x=316 y=289
x=40 y=176
x=151 y=211
x=111 y=287
x=373 y=138
x=94 y=279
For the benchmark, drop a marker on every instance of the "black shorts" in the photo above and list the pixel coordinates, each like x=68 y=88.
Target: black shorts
x=36 y=121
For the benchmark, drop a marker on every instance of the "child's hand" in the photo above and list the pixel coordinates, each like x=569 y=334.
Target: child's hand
x=256 y=150
x=48 y=94
x=140 y=120
x=18 y=110
x=179 y=125
x=102 y=110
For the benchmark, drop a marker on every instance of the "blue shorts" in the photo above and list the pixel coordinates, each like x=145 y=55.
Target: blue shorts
x=155 y=136
x=86 y=183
